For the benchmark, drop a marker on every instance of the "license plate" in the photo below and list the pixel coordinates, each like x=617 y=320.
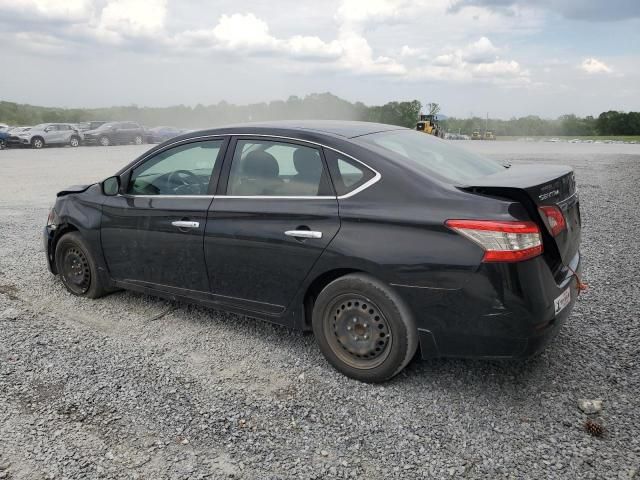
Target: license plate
x=562 y=301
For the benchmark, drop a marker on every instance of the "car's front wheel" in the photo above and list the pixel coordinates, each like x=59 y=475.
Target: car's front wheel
x=37 y=142
x=104 y=141
x=74 y=141
x=77 y=268
x=363 y=328
x=138 y=140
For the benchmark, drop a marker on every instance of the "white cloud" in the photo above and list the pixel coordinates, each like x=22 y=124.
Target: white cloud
x=358 y=57
x=66 y=11
x=407 y=51
x=595 y=66
x=357 y=12
x=135 y=17
x=239 y=31
x=250 y=35
x=480 y=51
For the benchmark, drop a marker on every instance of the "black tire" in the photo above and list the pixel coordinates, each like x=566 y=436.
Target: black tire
x=104 y=141
x=74 y=141
x=3 y=144
x=139 y=140
x=37 y=142
x=363 y=328
x=77 y=267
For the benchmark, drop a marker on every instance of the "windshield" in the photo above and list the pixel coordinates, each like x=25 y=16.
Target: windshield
x=433 y=155
x=105 y=125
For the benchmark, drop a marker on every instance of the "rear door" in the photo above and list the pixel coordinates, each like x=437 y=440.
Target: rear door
x=274 y=216
x=152 y=233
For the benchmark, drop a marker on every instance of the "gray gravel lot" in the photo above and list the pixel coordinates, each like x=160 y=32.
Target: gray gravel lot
x=106 y=389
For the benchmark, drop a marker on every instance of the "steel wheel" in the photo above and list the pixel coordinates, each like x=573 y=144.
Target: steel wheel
x=357 y=331
x=76 y=273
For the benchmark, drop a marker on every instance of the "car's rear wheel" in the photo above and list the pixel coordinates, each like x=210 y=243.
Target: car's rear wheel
x=363 y=328
x=77 y=267
x=37 y=142
x=138 y=140
x=74 y=141
x=104 y=141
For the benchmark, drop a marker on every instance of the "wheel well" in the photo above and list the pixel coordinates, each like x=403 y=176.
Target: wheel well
x=62 y=231
x=317 y=286
x=37 y=136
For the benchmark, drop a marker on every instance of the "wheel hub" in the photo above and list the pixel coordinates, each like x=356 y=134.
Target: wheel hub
x=76 y=272
x=359 y=330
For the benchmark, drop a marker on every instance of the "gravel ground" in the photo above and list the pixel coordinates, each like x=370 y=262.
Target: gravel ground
x=131 y=386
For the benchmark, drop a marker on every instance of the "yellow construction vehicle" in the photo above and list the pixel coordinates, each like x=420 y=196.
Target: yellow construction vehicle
x=428 y=124
x=476 y=135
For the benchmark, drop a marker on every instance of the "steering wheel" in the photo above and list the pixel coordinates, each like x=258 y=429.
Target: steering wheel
x=183 y=178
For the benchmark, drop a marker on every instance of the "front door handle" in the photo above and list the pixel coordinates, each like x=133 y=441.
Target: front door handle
x=303 y=234
x=185 y=224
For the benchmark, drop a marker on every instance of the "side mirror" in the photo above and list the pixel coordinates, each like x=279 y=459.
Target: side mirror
x=111 y=186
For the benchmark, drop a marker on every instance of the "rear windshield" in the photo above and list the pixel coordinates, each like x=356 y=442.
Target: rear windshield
x=432 y=155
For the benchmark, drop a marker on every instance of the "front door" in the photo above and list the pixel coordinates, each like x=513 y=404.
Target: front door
x=152 y=233
x=270 y=225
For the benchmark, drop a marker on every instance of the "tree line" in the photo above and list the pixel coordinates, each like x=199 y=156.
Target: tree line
x=324 y=106
x=314 y=106
x=607 y=123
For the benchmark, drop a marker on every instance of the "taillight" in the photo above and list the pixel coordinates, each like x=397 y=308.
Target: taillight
x=554 y=218
x=501 y=241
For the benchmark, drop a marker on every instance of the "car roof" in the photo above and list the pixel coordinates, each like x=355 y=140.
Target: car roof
x=339 y=128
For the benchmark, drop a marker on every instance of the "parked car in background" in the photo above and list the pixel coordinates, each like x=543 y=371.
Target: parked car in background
x=3 y=127
x=14 y=140
x=115 y=133
x=379 y=239
x=49 y=134
x=4 y=136
x=162 y=134
x=92 y=125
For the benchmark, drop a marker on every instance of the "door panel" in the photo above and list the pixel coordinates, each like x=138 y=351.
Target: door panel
x=251 y=261
x=141 y=245
x=271 y=189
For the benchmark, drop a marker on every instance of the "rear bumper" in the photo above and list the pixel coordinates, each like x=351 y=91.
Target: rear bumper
x=503 y=311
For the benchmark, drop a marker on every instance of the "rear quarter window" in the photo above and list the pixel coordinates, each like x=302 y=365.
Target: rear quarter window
x=347 y=174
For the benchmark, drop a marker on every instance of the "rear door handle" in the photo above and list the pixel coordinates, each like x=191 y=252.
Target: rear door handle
x=185 y=224
x=303 y=234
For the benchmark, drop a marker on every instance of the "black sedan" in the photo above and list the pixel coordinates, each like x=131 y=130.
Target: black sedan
x=377 y=238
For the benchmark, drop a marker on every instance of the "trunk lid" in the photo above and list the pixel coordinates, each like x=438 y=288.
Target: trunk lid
x=535 y=186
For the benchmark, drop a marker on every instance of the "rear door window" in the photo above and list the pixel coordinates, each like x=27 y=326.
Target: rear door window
x=274 y=169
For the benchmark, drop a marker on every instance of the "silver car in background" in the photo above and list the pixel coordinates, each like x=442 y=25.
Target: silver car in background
x=49 y=134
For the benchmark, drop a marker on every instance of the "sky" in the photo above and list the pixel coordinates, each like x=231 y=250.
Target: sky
x=504 y=58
